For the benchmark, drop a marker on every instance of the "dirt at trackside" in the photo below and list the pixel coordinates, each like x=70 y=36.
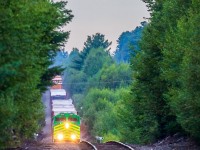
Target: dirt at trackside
x=175 y=142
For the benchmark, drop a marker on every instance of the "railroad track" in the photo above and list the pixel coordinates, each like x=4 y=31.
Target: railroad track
x=52 y=146
x=111 y=145
x=85 y=145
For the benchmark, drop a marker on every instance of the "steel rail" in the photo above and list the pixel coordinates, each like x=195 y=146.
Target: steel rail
x=89 y=144
x=122 y=144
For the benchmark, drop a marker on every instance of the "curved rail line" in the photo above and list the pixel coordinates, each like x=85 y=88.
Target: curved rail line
x=88 y=144
x=119 y=143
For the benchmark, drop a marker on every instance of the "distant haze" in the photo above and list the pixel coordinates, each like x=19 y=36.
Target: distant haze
x=108 y=17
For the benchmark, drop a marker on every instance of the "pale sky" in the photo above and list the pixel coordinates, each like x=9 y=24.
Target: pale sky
x=108 y=17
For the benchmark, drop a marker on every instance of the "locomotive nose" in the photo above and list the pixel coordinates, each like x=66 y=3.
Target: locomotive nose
x=67 y=125
x=73 y=137
x=60 y=137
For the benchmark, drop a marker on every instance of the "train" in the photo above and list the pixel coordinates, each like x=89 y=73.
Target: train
x=66 y=127
x=65 y=120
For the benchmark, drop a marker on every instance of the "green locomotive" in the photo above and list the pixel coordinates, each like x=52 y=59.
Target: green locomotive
x=66 y=127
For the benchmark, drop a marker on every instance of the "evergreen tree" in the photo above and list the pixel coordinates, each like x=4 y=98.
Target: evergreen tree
x=28 y=42
x=150 y=112
x=128 y=44
x=95 y=60
x=94 y=42
x=181 y=66
x=166 y=74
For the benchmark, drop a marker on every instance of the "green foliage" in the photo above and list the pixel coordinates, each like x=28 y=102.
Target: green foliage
x=147 y=93
x=94 y=42
x=74 y=53
x=164 y=96
x=183 y=94
x=95 y=104
x=128 y=41
x=75 y=81
x=95 y=60
x=115 y=76
x=8 y=112
x=77 y=98
x=88 y=84
x=110 y=137
x=105 y=123
x=78 y=81
x=112 y=77
x=46 y=78
x=147 y=106
x=138 y=122
x=29 y=40
x=100 y=111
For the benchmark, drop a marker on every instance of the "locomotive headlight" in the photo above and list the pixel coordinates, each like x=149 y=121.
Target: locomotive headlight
x=73 y=136
x=60 y=137
x=67 y=125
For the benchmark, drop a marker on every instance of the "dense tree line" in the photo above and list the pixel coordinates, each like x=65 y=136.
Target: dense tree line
x=128 y=44
x=154 y=96
x=86 y=63
x=92 y=42
x=29 y=38
x=165 y=93
x=97 y=83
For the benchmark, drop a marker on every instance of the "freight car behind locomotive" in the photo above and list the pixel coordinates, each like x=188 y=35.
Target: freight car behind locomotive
x=65 y=121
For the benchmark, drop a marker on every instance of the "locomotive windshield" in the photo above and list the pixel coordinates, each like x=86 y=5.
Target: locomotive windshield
x=60 y=119
x=72 y=119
